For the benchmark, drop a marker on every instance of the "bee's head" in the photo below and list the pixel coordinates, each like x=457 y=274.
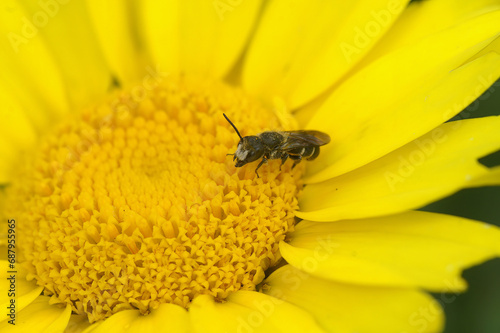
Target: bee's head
x=250 y=148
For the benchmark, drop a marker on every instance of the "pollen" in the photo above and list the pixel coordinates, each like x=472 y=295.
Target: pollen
x=134 y=202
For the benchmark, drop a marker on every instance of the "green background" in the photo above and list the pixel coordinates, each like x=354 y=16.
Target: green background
x=477 y=310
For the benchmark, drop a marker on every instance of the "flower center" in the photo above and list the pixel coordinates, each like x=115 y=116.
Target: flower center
x=134 y=203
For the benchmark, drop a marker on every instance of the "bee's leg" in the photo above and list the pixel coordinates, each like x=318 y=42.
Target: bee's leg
x=264 y=160
x=297 y=159
x=283 y=160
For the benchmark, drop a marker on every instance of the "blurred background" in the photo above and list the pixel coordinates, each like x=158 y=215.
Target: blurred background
x=477 y=310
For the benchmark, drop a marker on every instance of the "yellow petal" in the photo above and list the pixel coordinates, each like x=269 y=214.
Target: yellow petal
x=17 y=133
x=159 y=28
x=492 y=178
x=24 y=292
x=249 y=311
x=346 y=308
x=116 y=323
x=438 y=15
x=8 y=154
x=65 y=27
x=27 y=67
x=414 y=249
x=302 y=48
x=199 y=37
x=408 y=29
x=39 y=316
x=403 y=95
x=494 y=46
x=15 y=127
x=113 y=23
x=77 y=324
x=172 y=318
x=29 y=114
x=429 y=168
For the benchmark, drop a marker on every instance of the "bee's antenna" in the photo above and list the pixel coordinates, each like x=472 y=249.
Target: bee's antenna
x=233 y=126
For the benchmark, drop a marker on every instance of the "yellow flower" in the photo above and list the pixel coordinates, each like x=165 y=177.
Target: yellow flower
x=125 y=214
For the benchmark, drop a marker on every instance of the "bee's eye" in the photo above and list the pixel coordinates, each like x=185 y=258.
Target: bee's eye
x=249 y=149
x=252 y=155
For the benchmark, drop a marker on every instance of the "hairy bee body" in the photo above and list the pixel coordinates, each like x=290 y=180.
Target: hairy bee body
x=270 y=145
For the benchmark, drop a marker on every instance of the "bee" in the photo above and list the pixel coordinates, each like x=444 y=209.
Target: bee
x=272 y=145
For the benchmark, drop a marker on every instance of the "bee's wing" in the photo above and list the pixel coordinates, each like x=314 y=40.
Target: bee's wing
x=302 y=139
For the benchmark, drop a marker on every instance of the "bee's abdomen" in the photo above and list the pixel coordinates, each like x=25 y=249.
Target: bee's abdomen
x=314 y=153
x=309 y=153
